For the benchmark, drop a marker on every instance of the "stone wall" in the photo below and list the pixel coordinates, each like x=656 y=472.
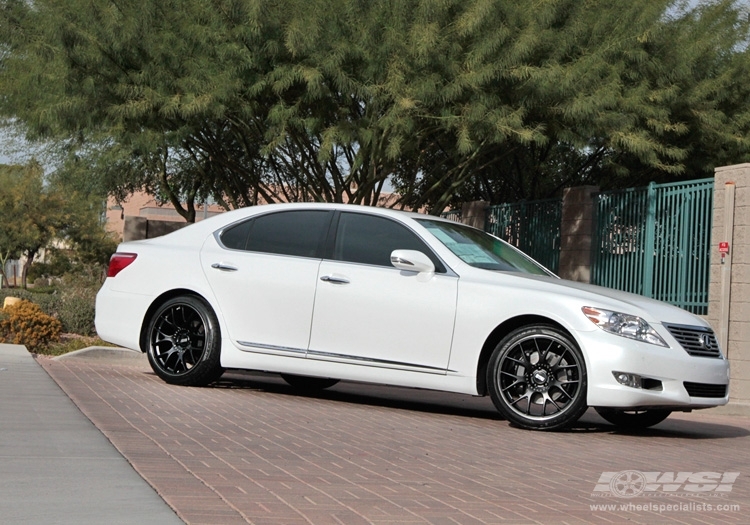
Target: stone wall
x=729 y=290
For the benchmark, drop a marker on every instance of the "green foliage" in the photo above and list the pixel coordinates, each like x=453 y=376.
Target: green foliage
x=41 y=214
x=24 y=323
x=77 y=303
x=71 y=300
x=250 y=100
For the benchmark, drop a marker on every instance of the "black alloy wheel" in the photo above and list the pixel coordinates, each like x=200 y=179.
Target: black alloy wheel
x=537 y=378
x=184 y=343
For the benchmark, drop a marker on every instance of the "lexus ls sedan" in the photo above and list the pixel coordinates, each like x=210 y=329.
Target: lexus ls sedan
x=324 y=292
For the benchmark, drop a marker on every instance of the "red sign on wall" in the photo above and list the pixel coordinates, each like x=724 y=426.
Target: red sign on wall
x=723 y=247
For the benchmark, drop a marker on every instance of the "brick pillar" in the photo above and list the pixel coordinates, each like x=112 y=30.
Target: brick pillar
x=474 y=213
x=135 y=229
x=732 y=278
x=576 y=233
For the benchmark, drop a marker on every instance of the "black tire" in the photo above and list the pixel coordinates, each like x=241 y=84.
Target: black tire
x=536 y=378
x=184 y=342
x=634 y=418
x=311 y=384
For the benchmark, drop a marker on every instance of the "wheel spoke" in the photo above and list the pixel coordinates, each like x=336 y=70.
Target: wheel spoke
x=524 y=363
x=178 y=339
x=516 y=383
x=548 y=399
x=539 y=377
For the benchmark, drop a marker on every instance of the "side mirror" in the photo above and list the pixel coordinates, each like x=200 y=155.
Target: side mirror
x=412 y=261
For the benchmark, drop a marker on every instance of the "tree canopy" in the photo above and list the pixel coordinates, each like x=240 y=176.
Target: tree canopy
x=243 y=101
x=36 y=213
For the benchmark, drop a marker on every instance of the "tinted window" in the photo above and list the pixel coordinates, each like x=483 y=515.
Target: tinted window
x=370 y=240
x=236 y=236
x=298 y=233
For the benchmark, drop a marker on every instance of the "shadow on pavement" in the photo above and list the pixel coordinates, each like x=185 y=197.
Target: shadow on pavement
x=679 y=425
x=366 y=394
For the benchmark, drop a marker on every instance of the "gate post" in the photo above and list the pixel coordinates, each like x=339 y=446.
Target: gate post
x=729 y=288
x=649 y=248
x=576 y=233
x=474 y=213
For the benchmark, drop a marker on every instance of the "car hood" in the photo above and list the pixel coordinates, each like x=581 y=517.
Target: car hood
x=650 y=310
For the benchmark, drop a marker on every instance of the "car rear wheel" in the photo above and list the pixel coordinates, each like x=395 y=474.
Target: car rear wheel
x=184 y=343
x=633 y=418
x=309 y=383
x=537 y=378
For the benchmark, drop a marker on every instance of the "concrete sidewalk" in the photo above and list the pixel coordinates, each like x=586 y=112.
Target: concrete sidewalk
x=55 y=466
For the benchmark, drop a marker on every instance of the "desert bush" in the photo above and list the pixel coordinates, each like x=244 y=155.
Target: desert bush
x=47 y=298
x=14 y=292
x=77 y=303
x=71 y=300
x=24 y=323
x=77 y=314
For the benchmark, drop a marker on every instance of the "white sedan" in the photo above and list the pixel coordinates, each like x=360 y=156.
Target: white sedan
x=324 y=292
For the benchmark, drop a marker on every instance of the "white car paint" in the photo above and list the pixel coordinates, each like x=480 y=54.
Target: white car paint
x=327 y=318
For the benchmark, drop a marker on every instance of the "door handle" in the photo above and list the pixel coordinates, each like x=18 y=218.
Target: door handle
x=224 y=267
x=334 y=279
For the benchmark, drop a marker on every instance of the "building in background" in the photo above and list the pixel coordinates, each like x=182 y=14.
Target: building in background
x=144 y=208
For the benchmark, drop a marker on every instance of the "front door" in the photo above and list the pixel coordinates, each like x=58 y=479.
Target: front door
x=367 y=312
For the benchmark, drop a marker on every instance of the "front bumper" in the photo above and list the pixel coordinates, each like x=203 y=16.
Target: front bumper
x=672 y=367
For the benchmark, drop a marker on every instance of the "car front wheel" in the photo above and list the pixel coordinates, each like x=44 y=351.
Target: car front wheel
x=633 y=418
x=184 y=343
x=537 y=378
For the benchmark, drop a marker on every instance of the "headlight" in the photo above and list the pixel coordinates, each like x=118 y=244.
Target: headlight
x=630 y=326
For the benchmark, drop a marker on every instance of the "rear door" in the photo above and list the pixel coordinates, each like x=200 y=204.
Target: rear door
x=264 y=274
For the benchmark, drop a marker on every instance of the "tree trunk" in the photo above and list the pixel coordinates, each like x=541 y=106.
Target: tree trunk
x=30 y=254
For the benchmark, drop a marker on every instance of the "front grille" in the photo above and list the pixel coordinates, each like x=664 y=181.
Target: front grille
x=696 y=340
x=705 y=389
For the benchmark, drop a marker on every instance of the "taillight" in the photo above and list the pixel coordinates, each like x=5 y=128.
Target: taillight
x=119 y=261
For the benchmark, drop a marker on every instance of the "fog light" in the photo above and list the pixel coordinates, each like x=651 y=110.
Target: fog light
x=626 y=379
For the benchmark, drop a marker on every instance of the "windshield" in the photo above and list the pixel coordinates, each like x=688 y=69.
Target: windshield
x=481 y=250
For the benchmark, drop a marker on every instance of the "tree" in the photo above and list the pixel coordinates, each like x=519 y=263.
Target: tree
x=31 y=216
x=37 y=214
x=571 y=93
x=9 y=232
x=245 y=101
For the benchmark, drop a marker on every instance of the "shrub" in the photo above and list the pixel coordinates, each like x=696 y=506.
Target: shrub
x=72 y=300
x=77 y=303
x=14 y=292
x=77 y=314
x=49 y=300
x=24 y=323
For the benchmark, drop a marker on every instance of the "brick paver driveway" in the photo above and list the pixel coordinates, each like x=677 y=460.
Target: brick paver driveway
x=252 y=450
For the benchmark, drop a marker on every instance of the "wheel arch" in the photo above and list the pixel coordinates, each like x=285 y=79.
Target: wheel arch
x=498 y=334
x=157 y=303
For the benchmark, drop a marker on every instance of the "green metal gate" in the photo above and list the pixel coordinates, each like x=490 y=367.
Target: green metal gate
x=533 y=227
x=655 y=241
